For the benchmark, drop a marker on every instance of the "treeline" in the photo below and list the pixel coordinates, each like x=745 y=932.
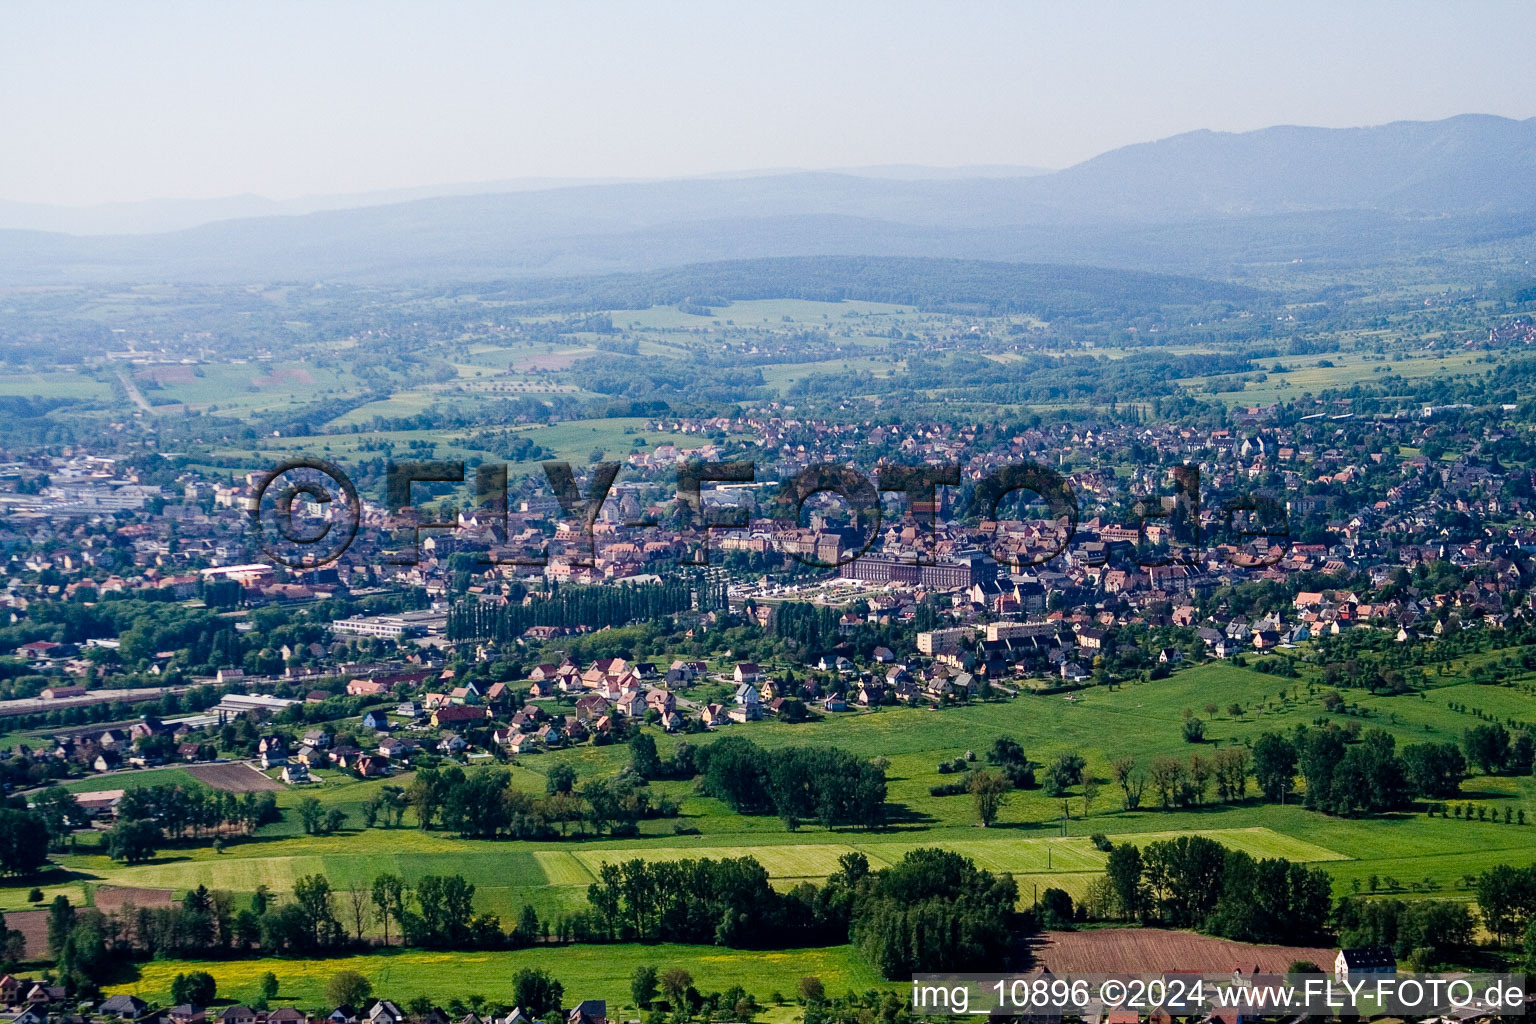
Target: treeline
x=970 y=286
x=1195 y=882
x=572 y=606
x=182 y=810
x=484 y=804
x=726 y=902
x=1343 y=775
x=1422 y=933
x=822 y=784
x=933 y=911
x=437 y=912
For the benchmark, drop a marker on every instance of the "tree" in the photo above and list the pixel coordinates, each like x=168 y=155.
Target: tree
x=1270 y=900
x=389 y=899
x=642 y=986
x=61 y=921
x=1507 y=898
x=1167 y=779
x=643 y=759
x=990 y=791
x=312 y=896
x=1194 y=730
x=1005 y=751
x=23 y=842
x=675 y=983
x=311 y=815
x=194 y=989
x=561 y=778
x=1274 y=766
x=1434 y=770
x=1131 y=780
x=536 y=992
x=1487 y=746
x=267 y=987
x=61 y=812
x=1090 y=794
x=1124 y=871
x=347 y=988
x=1231 y=769
x=1056 y=908
x=933 y=911
x=1064 y=772
x=1184 y=878
x=358 y=903
x=812 y=990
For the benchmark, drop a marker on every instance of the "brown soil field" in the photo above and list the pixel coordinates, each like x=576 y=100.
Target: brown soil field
x=33 y=925
x=1154 y=950
x=550 y=361
x=166 y=374
x=114 y=897
x=234 y=778
x=284 y=378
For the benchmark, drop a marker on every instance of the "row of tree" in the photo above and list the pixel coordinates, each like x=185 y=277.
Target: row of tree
x=935 y=910
x=823 y=784
x=1195 y=882
x=573 y=606
x=485 y=805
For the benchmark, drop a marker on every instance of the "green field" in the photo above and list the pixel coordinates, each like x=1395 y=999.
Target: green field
x=573 y=441
x=1027 y=840
x=587 y=972
x=1304 y=376
x=54 y=385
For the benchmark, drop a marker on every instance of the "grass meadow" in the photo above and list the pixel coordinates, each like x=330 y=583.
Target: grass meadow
x=1031 y=838
x=588 y=972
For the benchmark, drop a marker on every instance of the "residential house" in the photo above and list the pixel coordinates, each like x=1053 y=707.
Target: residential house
x=459 y=714
x=273 y=750
x=124 y=1006
x=382 y=1012
x=1364 y=960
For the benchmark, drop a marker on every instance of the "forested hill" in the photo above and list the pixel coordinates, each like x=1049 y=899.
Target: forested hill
x=1049 y=290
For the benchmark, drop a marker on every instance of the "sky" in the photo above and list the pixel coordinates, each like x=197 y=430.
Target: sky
x=115 y=102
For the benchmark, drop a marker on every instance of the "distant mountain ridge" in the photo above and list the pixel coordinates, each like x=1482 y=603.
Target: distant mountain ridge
x=1193 y=203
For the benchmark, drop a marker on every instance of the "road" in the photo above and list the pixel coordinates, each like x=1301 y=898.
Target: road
x=134 y=393
x=37 y=705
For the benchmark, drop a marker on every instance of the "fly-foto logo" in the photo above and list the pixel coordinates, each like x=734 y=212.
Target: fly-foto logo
x=306 y=512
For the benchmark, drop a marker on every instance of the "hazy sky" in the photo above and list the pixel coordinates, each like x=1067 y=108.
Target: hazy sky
x=123 y=101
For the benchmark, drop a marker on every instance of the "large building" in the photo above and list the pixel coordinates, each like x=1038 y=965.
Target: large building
x=963 y=570
x=393 y=627
x=236 y=704
x=945 y=641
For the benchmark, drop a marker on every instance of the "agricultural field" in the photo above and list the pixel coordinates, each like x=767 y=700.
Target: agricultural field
x=1307 y=375
x=233 y=778
x=240 y=389
x=573 y=441
x=1148 y=950
x=54 y=385
x=1031 y=838
x=1411 y=855
x=588 y=972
